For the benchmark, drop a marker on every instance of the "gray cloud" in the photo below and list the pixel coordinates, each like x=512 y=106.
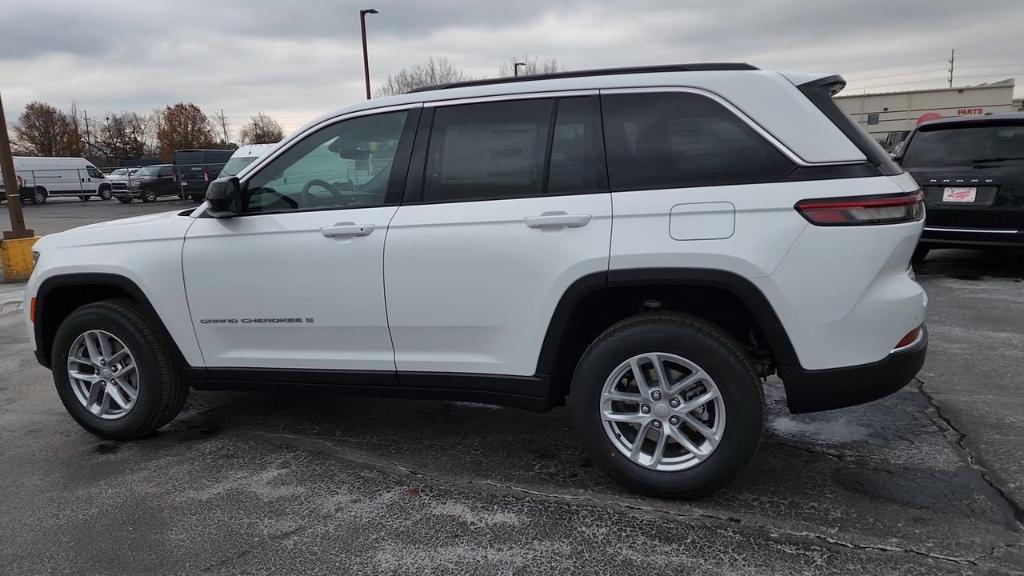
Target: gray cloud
x=297 y=59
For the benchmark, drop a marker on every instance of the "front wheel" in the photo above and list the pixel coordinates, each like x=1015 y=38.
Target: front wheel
x=39 y=196
x=114 y=372
x=105 y=193
x=668 y=404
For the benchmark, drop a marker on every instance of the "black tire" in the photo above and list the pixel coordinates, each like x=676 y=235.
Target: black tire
x=149 y=196
x=162 y=390
x=84 y=197
x=700 y=342
x=104 y=193
x=920 y=253
x=124 y=200
x=40 y=195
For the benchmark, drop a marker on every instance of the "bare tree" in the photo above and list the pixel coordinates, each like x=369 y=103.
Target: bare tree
x=183 y=125
x=532 y=66
x=432 y=73
x=261 y=129
x=125 y=135
x=222 y=122
x=43 y=130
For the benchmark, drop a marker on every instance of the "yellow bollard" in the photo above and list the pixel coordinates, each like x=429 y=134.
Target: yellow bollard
x=16 y=257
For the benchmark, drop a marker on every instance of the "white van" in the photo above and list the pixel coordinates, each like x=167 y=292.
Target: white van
x=244 y=156
x=41 y=178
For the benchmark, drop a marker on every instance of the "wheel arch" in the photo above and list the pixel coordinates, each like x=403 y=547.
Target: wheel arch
x=596 y=301
x=58 y=296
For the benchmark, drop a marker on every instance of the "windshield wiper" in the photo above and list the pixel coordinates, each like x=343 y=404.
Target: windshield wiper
x=996 y=159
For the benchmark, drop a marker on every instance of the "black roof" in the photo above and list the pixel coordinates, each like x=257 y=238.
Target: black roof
x=700 y=67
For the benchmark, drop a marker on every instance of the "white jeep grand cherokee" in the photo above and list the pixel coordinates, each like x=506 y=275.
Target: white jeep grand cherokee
x=643 y=245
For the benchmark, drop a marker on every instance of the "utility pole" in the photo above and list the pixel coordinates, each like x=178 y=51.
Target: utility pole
x=18 y=229
x=366 y=60
x=952 y=59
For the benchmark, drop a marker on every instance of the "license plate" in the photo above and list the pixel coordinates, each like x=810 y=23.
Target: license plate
x=959 y=195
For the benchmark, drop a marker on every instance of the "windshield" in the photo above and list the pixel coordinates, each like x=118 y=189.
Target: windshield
x=965 y=146
x=149 y=171
x=119 y=172
x=235 y=165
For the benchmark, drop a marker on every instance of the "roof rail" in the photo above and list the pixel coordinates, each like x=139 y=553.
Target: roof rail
x=701 y=67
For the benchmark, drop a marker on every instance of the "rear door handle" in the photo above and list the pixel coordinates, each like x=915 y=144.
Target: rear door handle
x=557 y=220
x=347 y=229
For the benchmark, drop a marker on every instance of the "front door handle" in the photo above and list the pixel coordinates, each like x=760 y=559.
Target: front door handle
x=347 y=229
x=557 y=220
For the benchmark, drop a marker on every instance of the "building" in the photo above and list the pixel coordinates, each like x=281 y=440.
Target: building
x=889 y=116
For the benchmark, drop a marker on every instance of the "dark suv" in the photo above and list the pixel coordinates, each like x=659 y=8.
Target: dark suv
x=972 y=174
x=148 y=184
x=196 y=168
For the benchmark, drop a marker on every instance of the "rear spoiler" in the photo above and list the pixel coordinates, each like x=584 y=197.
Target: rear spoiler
x=820 y=91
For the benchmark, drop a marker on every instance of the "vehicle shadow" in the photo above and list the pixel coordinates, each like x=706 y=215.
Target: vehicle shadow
x=973 y=264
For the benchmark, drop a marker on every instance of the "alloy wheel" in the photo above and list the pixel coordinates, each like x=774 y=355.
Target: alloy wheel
x=103 y=374
x=662 y=411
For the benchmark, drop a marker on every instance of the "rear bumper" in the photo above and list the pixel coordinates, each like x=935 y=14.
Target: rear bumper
x=938 y=236
x=817 y=390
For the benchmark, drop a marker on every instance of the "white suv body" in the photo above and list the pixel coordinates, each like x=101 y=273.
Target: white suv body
x=488 y=241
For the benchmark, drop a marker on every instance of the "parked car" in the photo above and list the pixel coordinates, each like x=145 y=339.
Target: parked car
x=43 y=177
x=120 y=178
x=196 y=168
x=148 y=184
x=756 y=230
x=972 y=172
x=243 y=156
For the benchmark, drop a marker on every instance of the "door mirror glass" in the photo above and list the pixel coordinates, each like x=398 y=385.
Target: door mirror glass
x=225 y=197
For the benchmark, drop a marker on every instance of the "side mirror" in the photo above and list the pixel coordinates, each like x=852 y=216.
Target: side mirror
x=225 y=197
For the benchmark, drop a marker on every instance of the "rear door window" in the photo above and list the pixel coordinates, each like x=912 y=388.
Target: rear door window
x=674 y=140
x=577 y=151
x=488 y=151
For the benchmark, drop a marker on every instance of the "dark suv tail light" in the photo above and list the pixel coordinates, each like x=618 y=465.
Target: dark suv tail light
x=862 y=210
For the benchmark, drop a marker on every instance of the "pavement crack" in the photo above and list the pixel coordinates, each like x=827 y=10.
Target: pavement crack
x=961 y=442
x=880 y=548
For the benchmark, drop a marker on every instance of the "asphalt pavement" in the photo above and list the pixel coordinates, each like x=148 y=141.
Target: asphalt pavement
x=927 y=481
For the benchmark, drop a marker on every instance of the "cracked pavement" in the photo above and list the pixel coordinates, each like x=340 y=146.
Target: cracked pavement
x=927 y=481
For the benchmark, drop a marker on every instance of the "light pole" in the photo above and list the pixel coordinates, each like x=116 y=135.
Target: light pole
x=515 y=68
x=366 y=60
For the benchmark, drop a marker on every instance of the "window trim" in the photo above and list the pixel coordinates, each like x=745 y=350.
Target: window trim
x=416 y=179
x=400 y=164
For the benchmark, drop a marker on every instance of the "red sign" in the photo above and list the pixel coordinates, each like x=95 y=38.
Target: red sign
x=928 y=116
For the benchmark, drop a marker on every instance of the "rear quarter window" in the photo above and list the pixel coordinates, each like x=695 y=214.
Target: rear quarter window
x=677 y=140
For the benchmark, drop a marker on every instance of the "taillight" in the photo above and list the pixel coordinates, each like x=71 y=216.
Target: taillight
x=32 y=310
x=909 y=339
x=861 y=210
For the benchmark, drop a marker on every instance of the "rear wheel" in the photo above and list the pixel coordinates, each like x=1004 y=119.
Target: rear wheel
x=114 y=373
x=149 y=195
x=668 y=404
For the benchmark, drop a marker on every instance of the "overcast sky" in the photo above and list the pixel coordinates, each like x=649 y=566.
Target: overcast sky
x=295 y=60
